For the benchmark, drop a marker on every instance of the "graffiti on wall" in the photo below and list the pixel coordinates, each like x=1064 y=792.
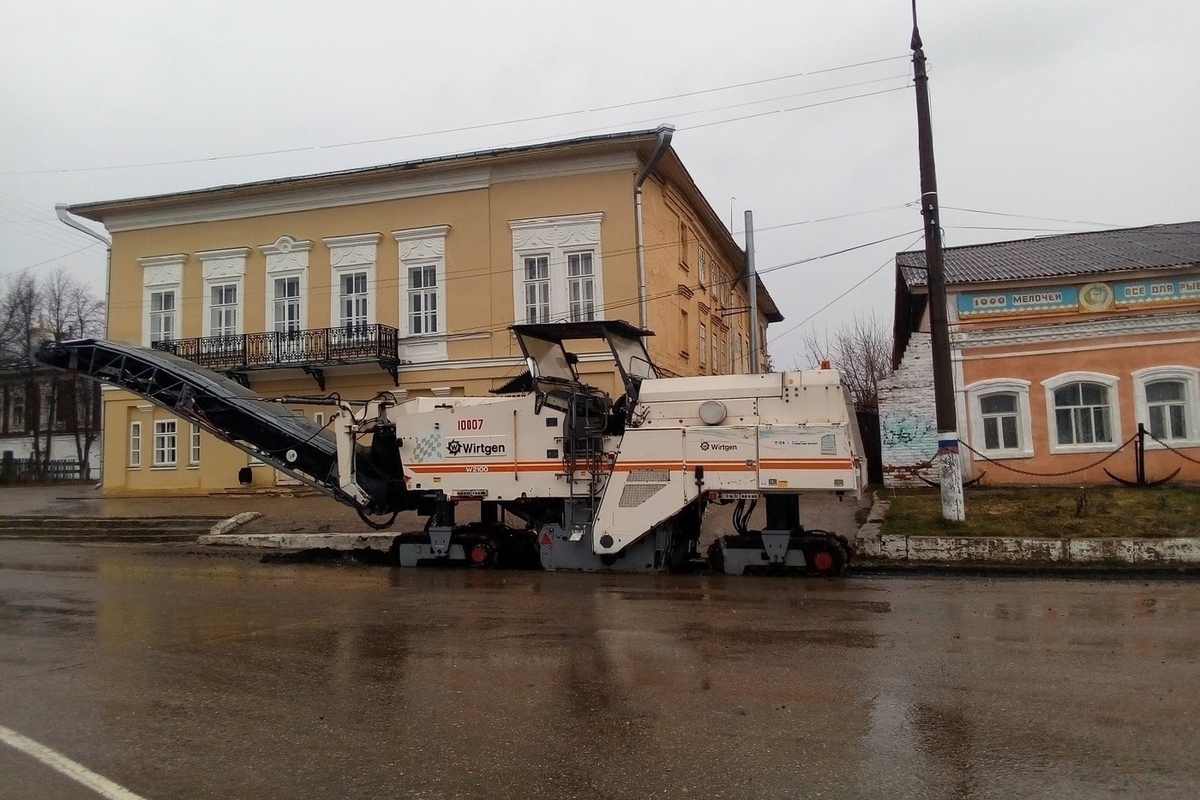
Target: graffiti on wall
x=904 y=431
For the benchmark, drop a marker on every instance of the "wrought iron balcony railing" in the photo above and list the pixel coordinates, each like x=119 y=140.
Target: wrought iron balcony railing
x=311 y=350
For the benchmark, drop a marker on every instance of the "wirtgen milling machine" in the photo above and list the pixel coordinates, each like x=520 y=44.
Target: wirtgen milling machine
x=565 y=476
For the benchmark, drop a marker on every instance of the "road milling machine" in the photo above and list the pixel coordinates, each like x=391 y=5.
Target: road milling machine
x=566 y=477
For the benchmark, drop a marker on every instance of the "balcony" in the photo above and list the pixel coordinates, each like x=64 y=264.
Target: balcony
x=310 y=350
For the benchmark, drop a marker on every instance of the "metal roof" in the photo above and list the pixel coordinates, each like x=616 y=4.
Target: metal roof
x=96 y=210
x=1069 y=255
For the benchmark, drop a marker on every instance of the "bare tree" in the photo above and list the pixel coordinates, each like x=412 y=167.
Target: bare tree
x=57 y=307
x=862 y=350
x=20 y=303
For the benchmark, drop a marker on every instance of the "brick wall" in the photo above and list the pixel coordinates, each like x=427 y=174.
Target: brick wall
x=907 y=416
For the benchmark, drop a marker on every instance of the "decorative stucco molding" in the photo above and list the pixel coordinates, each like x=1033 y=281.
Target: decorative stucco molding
x=576 y=230
x=351 y=251
x=227 y=263
x=162 y=270
x=1074 y=331
x=286 y=254
x=422 y=244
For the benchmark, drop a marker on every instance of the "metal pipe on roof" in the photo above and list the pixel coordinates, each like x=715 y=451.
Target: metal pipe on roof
x=664 y=141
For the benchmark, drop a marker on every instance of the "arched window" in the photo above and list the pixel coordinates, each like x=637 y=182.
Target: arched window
x=1082 y=414
x=1082 y=411
x=999 y=419
x=1168 y=404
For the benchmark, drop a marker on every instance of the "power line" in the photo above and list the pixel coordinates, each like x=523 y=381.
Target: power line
x=460 y=129
x=1027 y=216
x=48 y=260
x=483 y=271
x=998 y=228
x=871 y=274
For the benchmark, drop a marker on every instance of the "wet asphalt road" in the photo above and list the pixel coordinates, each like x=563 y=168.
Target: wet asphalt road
x=186 y=675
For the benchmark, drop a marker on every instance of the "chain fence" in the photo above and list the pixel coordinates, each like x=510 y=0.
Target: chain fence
x=1061 y=474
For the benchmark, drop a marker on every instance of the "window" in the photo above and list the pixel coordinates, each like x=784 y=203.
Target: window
x=725 y=365
x=1168 y=404
x=703 y=344
x=223 y=305
x=1081 y=414
x=352 y=264
x=702 y=265
x=162 y=280
x=998 y=418
x=286 y=305
x=537 y=289
x=424 y=313
x=16 y=413
x=999 y=412
x=581 y=287
x=1082 y=411
x=223 y=272
x=135 y=444
x=683 y=244
x=558 y=273
x=286 y=290
x=715 y=361
x=422 y=300
x=164 y=443
x=162 y=316
x=194 y=450
x=352 y=297
x=685 y=332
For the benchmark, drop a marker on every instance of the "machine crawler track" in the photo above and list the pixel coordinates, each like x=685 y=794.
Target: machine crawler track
x=811 y=552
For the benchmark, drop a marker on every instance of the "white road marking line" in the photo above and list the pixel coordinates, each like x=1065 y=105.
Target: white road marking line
x=72 y=769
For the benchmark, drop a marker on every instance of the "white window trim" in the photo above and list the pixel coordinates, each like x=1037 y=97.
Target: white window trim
x=154 y=461
x=193 y=445
x=1114 y=402
x=135 y=453
x=1190 y=376
x=218 y=268
x=1020 y=388
x=286 y=258
x=557 y=237
x=423 y=247
x=348 y=254
x=162 y=274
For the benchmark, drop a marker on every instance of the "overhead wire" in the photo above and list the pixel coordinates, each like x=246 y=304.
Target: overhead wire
x=464 y=128
x=890 y=260
x=506 y=267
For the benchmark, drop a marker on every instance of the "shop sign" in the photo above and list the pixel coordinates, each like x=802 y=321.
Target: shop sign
x=1158 y=290
x=1026 y=301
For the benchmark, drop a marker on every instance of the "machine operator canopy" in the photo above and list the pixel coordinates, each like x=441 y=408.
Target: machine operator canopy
x=550 y=359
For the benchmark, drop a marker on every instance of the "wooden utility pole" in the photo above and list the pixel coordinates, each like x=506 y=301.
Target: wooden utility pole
x=949 y=468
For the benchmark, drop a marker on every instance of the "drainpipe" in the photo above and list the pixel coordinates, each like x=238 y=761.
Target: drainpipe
x=65 y=217
x=664 y=141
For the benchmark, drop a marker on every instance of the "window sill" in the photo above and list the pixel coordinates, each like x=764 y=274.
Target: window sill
x=1069 y=449
x=1177 y=444
x=1005 y=455
x=163 y=467
x=193 y=466
x=137 y=468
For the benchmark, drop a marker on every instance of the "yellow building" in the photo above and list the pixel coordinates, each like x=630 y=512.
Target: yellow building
x=406 y=278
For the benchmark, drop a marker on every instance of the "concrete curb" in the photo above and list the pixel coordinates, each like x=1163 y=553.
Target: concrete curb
x=303 y=541
x=876 y=548
x=236 y=521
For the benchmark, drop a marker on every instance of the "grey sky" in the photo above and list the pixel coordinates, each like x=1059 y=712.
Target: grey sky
x=1082 y=110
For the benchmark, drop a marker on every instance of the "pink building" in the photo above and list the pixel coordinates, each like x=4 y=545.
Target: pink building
x=1061 y=346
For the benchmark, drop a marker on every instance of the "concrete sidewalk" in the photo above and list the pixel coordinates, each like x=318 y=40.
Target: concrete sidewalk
x=879 y=549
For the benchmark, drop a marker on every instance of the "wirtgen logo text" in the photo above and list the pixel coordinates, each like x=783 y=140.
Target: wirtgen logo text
x=456 y=448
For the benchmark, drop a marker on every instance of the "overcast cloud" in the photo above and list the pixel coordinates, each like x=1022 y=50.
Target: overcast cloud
x=1077 y=113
